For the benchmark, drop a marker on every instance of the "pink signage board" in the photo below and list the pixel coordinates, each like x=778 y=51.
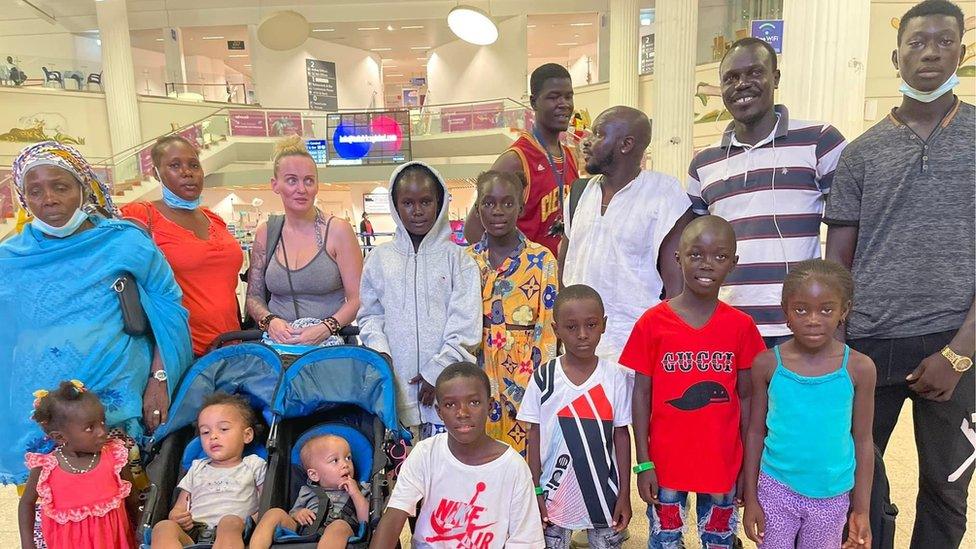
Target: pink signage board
x=145 y=162
x=455 y=119
x=284 y=123
x=192 y=134
x=248 y=123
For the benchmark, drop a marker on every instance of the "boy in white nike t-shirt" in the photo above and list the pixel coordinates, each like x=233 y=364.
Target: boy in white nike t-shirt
x=476 y=491
x=578 y=410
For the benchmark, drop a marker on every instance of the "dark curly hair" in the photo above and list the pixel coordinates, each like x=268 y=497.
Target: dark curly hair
x=464 y=369
x=237 y=401
x=830 y=273
x=54 y=409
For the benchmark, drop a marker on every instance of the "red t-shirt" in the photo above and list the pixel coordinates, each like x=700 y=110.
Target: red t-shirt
x=206 y=270
x=542 y=206
x=694 y=439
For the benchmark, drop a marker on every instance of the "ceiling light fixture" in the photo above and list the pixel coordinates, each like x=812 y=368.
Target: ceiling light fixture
x=581 y=24
x=530 y=26
x=368 y=28
x=159 y=39
x=389 y=27
x=212 y=38
x=323 y=30
x=411 y=27
x=472 y=25
x=568 y=44
x=420 y=47
x=392 y=75
x=422 y=59
x=239 y=55
x=380 y=49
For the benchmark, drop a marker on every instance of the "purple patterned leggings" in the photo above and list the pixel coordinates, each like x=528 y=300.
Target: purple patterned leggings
x=796 y=521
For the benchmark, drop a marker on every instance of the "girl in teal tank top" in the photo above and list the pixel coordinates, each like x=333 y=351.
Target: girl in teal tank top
x=809 y=455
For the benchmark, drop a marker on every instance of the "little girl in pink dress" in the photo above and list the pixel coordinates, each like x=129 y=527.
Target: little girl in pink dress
x=83 y=486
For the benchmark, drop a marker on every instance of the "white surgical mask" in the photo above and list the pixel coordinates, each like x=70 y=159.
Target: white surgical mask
x=174 y=201
x=63 y=231
x=928 y=97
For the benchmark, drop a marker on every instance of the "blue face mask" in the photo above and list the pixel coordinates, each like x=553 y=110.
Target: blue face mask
x=63 y=231
x=928 y=97
x=173 y=201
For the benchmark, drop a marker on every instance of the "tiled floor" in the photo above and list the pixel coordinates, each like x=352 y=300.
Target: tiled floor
x=901 y=462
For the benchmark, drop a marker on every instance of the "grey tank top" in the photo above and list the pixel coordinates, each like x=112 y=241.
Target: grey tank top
x=318 y=286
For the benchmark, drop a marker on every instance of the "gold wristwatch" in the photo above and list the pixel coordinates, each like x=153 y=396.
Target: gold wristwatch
x=959 y=363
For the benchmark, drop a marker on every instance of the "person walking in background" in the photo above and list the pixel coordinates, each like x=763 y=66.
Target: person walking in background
x=366 y=232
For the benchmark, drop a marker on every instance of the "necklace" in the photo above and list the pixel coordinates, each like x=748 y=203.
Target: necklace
x=72 y=468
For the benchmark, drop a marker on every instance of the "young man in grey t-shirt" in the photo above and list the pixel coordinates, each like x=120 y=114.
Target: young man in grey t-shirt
x=900 y=213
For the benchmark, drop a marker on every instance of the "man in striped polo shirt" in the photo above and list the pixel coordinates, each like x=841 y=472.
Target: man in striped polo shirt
x=768 y=177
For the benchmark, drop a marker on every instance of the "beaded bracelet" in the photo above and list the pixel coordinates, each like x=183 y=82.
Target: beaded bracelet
x=539 y=490
x=333 y=325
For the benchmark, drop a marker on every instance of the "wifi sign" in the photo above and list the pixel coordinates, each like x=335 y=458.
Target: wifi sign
x=770 y=31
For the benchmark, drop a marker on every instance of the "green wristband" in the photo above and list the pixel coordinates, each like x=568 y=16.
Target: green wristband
x=641 y=467
x=539 y=490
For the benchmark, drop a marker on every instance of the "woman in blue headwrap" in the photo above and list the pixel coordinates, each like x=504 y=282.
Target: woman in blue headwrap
x=62 y=317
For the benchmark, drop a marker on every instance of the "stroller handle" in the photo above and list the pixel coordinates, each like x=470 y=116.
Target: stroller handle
x=256 y=335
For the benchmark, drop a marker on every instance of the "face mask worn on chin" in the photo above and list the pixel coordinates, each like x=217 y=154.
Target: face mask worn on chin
x=63 y=231
x=928 y=97
x=173 y=201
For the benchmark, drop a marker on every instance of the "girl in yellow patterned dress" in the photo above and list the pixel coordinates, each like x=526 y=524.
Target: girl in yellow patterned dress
x=519 y=281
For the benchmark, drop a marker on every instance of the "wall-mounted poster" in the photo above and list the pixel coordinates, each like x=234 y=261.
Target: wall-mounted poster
x=322 y=94
x=248 y=123
x=284 y=123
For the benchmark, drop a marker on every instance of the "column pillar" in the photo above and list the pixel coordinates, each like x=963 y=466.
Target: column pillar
x=825 y=49
x=675 y=45
x=118 y=75
x=624 y=56
x=175 y=62
x=252 y=51
x=603 y=49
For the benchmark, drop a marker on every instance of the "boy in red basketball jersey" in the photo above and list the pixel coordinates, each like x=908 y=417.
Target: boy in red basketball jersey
x=547 y=167
x=692 y=394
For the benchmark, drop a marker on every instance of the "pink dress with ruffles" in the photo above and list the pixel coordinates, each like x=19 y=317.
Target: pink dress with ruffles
x=87 y=510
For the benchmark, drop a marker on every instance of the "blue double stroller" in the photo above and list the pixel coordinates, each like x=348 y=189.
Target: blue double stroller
x=346 y=390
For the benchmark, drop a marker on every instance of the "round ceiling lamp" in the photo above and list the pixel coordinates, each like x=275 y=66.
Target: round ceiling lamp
x=283 y=31
x=472 y=25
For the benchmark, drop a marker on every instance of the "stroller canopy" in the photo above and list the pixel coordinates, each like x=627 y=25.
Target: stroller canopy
x=331 y=376
x=248 y=369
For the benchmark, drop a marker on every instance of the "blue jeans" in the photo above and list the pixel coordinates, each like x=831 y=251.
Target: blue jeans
x=718 y=520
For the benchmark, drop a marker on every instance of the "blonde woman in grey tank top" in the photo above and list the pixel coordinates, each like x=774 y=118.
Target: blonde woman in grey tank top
x=318 y=253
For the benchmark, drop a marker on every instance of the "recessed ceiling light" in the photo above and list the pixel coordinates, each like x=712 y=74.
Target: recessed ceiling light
x=240 y=55
x=422 y=59
x=380 y=49
x=391 y=75
x=389 y=27
x=530 y=26
x=420 y=47
x=581 y=24
x=212 y=38
x=412 y=27
x=568 y=44
x=323 y=30
x=248 y=65
x=368 y=28
x=159 y=39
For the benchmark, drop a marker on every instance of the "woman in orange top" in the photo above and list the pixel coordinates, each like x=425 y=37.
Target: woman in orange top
x=205 y=258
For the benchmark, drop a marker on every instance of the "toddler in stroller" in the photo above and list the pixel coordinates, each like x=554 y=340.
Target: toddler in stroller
x=331 y=505
x=220 y=491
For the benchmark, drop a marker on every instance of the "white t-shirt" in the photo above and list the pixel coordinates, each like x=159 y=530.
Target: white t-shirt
x=468 y=506
x=616 y=253
x=576 y=422
x=216 y=492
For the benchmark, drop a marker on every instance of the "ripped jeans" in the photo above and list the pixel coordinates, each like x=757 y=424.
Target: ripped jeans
x=718 y=520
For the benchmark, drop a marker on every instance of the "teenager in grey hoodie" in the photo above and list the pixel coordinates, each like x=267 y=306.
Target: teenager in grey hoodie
x=421 y=295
